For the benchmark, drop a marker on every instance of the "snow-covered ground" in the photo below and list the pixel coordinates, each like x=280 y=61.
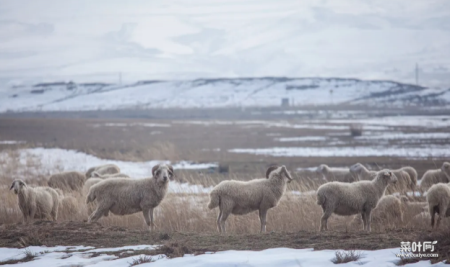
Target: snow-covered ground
x=212 y=94
x=286 y=257
x=50 y=160
x=430 y=151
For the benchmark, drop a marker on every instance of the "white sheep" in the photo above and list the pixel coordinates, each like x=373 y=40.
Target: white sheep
x=239 y=198
x=402 y=186
x=102 y=170
x=128 y=196
x=362 y=172
x=108 y=175
x=438 y=198
x=36 y=202
x=435 y=176
x=336 y=174
x=67 y=181
x=412 y=175
x=353 y=198
x=389 y=211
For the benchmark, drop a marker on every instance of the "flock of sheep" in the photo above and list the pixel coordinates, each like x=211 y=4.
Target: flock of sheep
x=347 y=192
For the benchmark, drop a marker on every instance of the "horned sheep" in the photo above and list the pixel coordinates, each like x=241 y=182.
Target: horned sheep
x=123 y=196
x=438 y=198
x=239 y=197
x=435 y=176
x=67 y=181
x=36 y=202
x=353 y=198
x=336 y=174
x=102 y=170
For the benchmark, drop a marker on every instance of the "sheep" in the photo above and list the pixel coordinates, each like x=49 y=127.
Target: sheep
x=412 y=175
x=413 y=208
x=435 y=176
x=336 y=174
x=102 y=170
x=389 y=210
x=89 y=183
x=36 y=202
x=353 y=198
x=362 y=172
x=403 y=184
x=438 y=198
x=404 y=181
x=106 y=176
x=67 y=181
x=239 y=198
x=123 y=196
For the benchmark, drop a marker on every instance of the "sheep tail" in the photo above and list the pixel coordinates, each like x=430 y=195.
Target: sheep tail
x=320 y=199
x=91 y=196
x=214 y=200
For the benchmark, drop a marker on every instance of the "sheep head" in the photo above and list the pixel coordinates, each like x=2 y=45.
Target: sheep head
x=17 y=185
x=446 y=169
x=356 y=168
x=388 y=176
x=279 y=172
x=322 y=169
x=162 y=173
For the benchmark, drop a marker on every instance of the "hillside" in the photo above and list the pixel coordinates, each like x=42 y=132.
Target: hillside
x=205 y=93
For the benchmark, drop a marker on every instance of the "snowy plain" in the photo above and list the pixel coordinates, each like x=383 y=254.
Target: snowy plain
x=72 y=256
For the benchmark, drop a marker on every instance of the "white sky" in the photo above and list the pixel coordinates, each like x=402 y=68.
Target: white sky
x=94 y=40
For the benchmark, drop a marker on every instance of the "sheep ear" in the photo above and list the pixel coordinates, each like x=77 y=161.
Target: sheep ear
x=22 y=183
x=154 y=169
x=12 y=186
x=270 y=169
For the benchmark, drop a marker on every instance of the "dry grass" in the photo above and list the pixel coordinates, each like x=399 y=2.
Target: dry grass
x=346 y=256
x=185 y=212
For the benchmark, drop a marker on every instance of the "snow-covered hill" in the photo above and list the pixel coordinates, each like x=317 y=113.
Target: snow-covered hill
x=206 y=93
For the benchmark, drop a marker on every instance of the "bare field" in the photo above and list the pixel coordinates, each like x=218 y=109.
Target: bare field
x=184 y=216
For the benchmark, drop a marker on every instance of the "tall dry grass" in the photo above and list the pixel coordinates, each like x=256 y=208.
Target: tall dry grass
x=185 y=212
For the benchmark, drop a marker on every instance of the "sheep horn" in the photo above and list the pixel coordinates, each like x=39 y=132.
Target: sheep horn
x=270 y=169
x=288 y=175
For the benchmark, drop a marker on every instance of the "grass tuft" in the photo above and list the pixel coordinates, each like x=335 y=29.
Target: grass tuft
x=346 y=256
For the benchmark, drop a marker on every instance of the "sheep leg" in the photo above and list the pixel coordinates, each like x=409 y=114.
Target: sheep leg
x=368 y=220
x=223 y=218
x=262 y=218
x=218 y=220
x=363 y=217
x=32 y=214
x=148 y=216
x=442 y=213
x=432 y=214
x=324 y=220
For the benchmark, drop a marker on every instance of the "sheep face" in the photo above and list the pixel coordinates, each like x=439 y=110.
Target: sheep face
x=356 y=168
x=322 y=169
x=17 y=185
x=162 y=173
x=389 y=177
x=446 y=169
x=279 y=173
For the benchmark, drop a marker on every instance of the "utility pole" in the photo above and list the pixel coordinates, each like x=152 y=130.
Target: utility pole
x=417 y=74
x=120 y=78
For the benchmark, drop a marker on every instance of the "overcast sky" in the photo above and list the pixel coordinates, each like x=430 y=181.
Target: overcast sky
x=95 y=40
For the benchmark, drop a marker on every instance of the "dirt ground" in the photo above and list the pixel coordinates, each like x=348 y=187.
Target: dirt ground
x=176 y=244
